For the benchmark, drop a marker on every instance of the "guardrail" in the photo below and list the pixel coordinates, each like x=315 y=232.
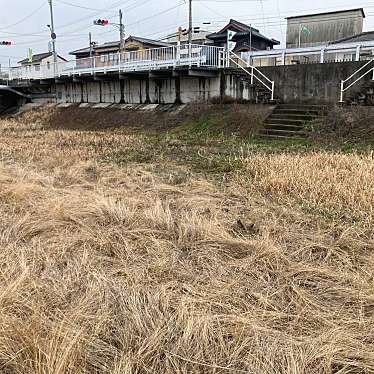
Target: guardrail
x=145 y=60
x=343 y=89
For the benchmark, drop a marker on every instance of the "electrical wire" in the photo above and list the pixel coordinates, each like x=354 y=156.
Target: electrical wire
x=25 y=18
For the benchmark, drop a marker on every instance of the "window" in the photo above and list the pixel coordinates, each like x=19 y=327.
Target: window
x=48 y=65
x=37 y=67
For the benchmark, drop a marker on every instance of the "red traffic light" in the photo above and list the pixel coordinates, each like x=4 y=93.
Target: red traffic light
x=101 y=22
x=5 y=42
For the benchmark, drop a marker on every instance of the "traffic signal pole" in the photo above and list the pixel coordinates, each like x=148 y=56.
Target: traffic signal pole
x=52 y=37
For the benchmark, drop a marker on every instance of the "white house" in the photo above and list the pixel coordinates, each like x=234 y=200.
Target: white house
x=40 y=66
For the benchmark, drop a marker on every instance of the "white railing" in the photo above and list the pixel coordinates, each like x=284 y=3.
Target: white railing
x=254 y=73
x=145 y=60
x=344 y=88
x=321 y=54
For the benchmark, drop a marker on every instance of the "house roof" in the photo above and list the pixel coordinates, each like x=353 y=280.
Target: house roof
x=79 y=51
x=39 y=57
x=242 y=30
x=157 y=43
x=116 y=44
x=233 y=24
x=330 y=13
x=362 y=37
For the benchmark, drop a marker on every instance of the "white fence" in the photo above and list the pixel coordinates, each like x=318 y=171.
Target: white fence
x=144 y=60
x=322 y=54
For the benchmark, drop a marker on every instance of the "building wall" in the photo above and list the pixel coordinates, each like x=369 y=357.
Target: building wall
x=324 y=28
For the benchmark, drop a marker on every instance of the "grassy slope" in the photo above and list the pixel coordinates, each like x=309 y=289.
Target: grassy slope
x=182 y=251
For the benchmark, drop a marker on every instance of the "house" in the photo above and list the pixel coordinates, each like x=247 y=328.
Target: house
x=107 y=54
x=41 y=63
x=132 y=43
x=199 y=37
x=243 y=38
x=323 y=28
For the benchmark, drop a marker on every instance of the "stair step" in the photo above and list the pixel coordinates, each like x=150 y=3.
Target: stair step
x=304 y=108
x=292 y=116
x=279 y=121
x=280 y=110
x=281 y=137
x=287 y=133
x=277 y=126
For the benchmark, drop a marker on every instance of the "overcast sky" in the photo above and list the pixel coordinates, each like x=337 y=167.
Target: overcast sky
x=24 y=21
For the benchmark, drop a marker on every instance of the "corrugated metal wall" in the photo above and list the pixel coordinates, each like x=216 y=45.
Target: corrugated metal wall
x=324 y=28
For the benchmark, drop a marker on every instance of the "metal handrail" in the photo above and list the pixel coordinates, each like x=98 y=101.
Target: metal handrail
x=357 y=71
x=232 y=55
x=342 y=83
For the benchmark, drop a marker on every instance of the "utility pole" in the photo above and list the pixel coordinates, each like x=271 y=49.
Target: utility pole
x=91 y=48
x=250 y=38
x=90 y=41
x=250 y=45
x=53 y=36
x=121 y=32
x=190 y=32
x=190 y=23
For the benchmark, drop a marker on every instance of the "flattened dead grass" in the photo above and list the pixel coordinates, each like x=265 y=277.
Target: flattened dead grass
x=153 y=268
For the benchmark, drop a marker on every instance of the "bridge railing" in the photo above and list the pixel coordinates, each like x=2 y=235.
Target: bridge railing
x=130 y=61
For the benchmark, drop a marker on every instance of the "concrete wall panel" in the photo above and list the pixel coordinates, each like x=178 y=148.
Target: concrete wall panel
x=314 y=83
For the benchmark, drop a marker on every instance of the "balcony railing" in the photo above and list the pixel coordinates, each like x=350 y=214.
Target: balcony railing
x=143 y=60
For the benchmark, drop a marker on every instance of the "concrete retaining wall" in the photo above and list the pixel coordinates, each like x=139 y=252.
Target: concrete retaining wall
x=314 y=83
x=181 y=90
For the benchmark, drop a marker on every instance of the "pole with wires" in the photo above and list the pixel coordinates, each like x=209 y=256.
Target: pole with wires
x=190 y=30
x=53 y=37
x=121 y=33
x=250 y=45
x=190 y=27
x=91 y=48
x=90 y=41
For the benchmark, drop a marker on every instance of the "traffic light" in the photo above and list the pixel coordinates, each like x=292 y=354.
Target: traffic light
x=101 y=22
x=5 y=42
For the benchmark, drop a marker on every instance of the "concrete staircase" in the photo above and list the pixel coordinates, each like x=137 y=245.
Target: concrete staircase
x=261 y=94
x=289 y=121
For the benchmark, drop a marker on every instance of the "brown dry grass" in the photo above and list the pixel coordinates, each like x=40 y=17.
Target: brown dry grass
x=157 y=268
x=342 y=124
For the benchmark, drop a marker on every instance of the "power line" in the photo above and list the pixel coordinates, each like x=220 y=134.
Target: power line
x=25 y=18
x=77 y=6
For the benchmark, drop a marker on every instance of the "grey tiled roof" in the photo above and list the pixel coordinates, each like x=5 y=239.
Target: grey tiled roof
x=363 y=37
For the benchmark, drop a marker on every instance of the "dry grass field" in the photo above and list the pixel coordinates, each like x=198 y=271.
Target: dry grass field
x=127 y=251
